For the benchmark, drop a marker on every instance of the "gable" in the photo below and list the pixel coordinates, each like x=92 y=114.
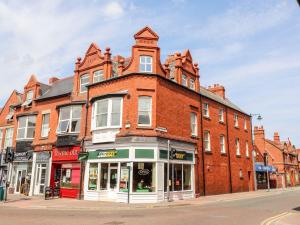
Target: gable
x=92 y=57
x=146 y=33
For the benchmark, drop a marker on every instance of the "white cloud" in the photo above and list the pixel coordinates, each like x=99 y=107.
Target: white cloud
x=113 y=9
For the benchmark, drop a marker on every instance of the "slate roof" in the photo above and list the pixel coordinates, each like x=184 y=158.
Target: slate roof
x=59 y=88
x=208 y=94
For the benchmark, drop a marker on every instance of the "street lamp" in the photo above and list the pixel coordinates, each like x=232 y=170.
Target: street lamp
x=266 y=156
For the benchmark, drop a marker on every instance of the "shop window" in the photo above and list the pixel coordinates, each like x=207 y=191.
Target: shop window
x=69 y=119
x=144 y=110
x=187 y=175
x=98 y=76
x=84 y=81
x=180 y=177
x=177 y=177
x=146 y=64
x=194 y=124
x=124 y=177
x=93 y=176
x=45 y=125
x=70 y=178
x=144 y=176
x=107 y=113
x=104 y=176
x=26 y=127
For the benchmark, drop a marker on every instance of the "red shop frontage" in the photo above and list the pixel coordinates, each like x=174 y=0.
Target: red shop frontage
x=65 y=171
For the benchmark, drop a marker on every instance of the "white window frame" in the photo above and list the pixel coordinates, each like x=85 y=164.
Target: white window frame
x=206 y=110
x=84 y=84
x=221 y=115
x=26 y=128
x=184 y=80
x=8 y=141
x=206 y=139
x=45 y=127
x=143 y=64
x=70 y=119
x=237 y=147
x=247 y=149
x=98 y=74
x=222 y=144
x=29 y=98
x=192 y=84
x=245 y=124
x=109 y=113
x=150 y=112
x=194 y=125
x=236 y=120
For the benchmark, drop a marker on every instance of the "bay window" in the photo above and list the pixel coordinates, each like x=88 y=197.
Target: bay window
x=193 y=124
x=144 y=111
x=26 y=127
x=107 y=113
x=69 y=119
x=145 y=64
x=84 y=81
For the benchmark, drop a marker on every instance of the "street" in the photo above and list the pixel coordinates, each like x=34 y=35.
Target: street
x=249 y=211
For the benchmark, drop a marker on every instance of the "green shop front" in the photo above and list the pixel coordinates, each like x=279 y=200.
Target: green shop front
x=143 y=170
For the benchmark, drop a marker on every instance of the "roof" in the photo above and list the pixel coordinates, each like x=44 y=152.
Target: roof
x=208 y=94
x=44 y=88
x=59 y=88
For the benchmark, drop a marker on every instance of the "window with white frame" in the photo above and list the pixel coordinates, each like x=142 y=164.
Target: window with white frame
x=221 y=115
x=10 y=114
x=145 y=111
x=98 y=76
x=184 y=80
x=206 y=140
x=26 y=127
x=69 y=119
x=194 y=129
x=45 y=125
x=205 y=110
x=222 y=144
x=236 y=120
x=107 y=113
x=8 y=137
x=245 y=124
x=145 y=64
x=84 y=81
x=1 y=138
x=192 y=84
x=247 y=149
x=237 y=146
x=29 y=98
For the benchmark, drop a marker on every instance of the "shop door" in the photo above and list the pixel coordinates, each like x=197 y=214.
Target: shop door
x=40 y=179
x=113 y=178
x=20 y=181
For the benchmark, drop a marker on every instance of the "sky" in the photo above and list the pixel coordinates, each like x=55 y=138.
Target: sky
x=252 y=47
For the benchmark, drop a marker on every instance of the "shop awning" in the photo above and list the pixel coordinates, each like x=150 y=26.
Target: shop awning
x=262 y=168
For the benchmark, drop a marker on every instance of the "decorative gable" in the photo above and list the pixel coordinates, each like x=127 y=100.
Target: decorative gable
x=92 y=57
x=146 y=36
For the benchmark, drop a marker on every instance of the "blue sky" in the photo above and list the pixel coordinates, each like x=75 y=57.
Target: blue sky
x=251 y=47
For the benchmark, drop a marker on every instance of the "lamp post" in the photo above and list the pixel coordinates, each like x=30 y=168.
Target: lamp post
x=259 y=118
x=266 y=160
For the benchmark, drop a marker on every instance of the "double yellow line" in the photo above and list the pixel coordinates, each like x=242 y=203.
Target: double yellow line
x=270 y=220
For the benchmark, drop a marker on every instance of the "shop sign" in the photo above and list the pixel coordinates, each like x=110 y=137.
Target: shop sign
x=65 y=154
x=176 y=155
x=42 y=157
x=83 y=156
x=143 y=172
x=109 y=154
x=23 y=156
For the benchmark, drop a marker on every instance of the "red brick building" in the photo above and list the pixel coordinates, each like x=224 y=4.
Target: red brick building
x=129 y=112
x=280 y=154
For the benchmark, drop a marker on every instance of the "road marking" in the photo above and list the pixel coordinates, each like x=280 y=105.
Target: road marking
x=270 y=220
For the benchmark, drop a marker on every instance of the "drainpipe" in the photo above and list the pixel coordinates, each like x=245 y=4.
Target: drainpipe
x=228 y=150
x=202 y=151
x=82 y=149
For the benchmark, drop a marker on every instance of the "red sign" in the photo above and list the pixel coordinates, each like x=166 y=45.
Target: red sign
x=65 y=154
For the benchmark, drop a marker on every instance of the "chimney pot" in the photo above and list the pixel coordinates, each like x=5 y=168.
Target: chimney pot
x=52 y=80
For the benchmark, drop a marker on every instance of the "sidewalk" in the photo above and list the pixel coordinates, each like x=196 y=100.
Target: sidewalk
x=21 y=201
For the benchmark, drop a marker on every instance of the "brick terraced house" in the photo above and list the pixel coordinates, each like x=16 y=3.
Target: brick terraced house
x=118 y=122
x=281 y=155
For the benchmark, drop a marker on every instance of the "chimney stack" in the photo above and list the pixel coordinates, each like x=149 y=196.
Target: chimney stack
x=276 y=138
x=218 y=90
x=52 y=80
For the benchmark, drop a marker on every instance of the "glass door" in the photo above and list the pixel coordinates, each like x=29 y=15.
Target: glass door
x=40 y=179
x=113 y=176
x=20 y=180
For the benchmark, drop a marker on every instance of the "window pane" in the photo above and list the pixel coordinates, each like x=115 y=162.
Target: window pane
x=63 y=126
x=30 y=132
x=148 y=67
x=177 y=177
x=103 y=176
x=31 y=121
x=75 y=126
x=46 y=118
x=102 y=106
x=21 y=133
x=22 y=121
x=144 y=118
x=76 y=112
x=187 y=181
x=101 y=120
x=65 y=113
x=143 y=177
x=93 y=176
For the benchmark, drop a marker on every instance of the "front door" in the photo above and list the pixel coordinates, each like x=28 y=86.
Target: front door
x=40 y=179
x=21 y=176
x=113 y=178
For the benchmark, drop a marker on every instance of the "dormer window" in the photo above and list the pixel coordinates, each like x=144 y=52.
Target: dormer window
x=145 y=64
x=10 y=114
x=84 y=81
x=192 y=84
x=98 y=76
x=29 y=98
x=184 y=80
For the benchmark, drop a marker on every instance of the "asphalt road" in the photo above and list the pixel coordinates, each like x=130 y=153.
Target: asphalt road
x=239 y=212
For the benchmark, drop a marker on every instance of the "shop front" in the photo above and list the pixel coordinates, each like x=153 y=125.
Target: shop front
x=65 y=171
x=261 y=176
x=110 y=172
